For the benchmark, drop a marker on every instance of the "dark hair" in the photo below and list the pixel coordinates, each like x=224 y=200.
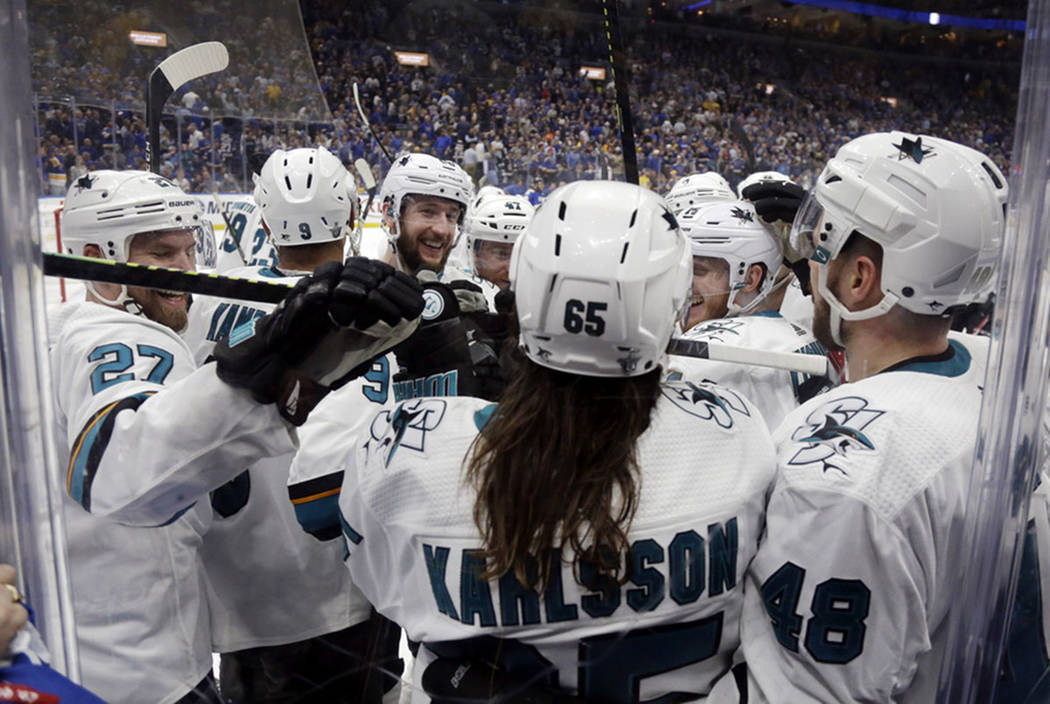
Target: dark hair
x=556 y=465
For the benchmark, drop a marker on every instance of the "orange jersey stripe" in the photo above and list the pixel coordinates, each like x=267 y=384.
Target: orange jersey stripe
x=315 y=497
x=80 y=443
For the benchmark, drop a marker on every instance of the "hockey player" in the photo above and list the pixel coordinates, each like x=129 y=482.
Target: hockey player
x=736 y=301
x=256 y=552
x=431 y=196
x=849 y=596
x=492 y=227
x=589 y=533
x=698 y=189
x=147 y=434
x=777 y=199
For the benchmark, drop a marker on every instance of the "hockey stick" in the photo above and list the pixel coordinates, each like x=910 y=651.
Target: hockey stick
x=364 y=119
x=172 y=73
x=814 y=364
x=623 y=99
x=369 y=180
x=90 y=269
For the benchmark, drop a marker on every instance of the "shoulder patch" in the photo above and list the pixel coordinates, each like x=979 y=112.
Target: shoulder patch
x=719 y=330
x=407 y=426
x=833 y=431
x=707 y=401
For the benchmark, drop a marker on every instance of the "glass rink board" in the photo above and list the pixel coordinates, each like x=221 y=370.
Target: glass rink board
x=525 y=97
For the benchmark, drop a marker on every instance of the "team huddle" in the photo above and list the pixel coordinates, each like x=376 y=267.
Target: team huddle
x=481 y=441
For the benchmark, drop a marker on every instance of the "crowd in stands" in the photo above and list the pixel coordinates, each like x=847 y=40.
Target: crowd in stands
x=502 y=97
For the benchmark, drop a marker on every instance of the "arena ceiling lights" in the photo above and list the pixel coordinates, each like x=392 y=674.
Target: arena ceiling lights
x=932 y=18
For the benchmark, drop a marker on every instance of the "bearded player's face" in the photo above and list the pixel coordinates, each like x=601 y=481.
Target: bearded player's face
x=172 y=249
x=428 y=228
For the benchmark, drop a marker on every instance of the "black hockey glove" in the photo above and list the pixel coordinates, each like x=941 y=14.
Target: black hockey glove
x=448 y=355
x=505 y=300
x=775 y=201
x=324 y=333
x=474 y=681
x=435 y=360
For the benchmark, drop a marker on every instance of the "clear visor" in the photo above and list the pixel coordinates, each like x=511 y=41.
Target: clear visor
x=203 y=238
x=809 y=217
x=207 y=251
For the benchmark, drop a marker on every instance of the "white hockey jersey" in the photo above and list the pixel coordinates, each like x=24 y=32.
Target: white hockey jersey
x=775 y=391
x=706 y=463
x=256 y=553
x=317 y=471
x=797 y=306
x=849 y=595
x=144 y=435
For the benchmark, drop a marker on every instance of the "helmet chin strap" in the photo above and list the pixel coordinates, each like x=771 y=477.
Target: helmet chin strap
x=122 y=299
x=839 y=312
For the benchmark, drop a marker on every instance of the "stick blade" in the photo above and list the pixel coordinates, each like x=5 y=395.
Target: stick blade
x=193 y=62
x=365 y=172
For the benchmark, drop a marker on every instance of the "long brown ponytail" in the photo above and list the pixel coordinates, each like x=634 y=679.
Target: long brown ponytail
x=556 y=465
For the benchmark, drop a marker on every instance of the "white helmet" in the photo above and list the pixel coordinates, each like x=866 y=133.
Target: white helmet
x=423 y=174
x=761 y=177
x=108 y=208
x=306 y=196
x=601 y=278
x=732 y=231
x=497 y=219
x=697 y=189
x=486 y=192
x=937 y=209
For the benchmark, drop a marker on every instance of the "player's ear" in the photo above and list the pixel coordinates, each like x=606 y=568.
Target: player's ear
x=863 y=279
x=92 y=250
x=753 y=281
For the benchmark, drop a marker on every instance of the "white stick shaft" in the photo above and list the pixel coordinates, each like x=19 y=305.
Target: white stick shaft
x=793 y=361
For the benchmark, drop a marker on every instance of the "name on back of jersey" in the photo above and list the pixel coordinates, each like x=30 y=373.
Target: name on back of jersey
x=681 y=568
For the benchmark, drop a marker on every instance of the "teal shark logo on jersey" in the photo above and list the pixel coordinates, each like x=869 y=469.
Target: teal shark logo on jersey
x=833 y=430
x=407 y=426
x=706 y=400
x=399 y=424
x=718 y=330
x=832 y=434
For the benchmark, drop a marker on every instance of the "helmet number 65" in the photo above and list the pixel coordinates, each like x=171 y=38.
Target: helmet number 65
x=584 y=317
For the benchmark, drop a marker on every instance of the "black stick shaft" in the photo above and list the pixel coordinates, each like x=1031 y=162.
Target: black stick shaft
x=623 y=99
x=158 y=90
x=88 y=269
